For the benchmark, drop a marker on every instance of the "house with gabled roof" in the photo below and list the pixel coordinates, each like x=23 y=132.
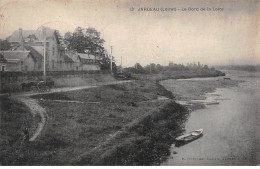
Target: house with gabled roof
x=17 y=61
x=84 y=61
x=56 y=60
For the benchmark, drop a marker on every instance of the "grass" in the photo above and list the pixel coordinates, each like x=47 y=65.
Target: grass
x=76 y=128
x=144 y=143
x=15 y=117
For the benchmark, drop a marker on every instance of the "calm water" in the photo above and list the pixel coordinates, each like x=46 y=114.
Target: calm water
x=231 y=132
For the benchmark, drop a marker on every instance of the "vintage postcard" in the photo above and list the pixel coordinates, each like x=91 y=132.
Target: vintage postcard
x=129 y=82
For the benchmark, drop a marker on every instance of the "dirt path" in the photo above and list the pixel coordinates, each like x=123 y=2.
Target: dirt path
x=36 y=109
x=66 y=89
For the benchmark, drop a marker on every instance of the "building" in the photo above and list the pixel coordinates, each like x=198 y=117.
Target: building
x=84 y=61
x=58 y=58
x=17 y=61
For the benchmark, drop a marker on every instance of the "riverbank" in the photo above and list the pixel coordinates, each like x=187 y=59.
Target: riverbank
x=184 y=74
x=121 y=124
x=191 y=92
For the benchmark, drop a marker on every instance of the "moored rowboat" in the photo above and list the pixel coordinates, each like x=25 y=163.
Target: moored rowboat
x=190 y=136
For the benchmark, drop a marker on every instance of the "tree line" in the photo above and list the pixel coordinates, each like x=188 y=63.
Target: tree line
x=156 y=68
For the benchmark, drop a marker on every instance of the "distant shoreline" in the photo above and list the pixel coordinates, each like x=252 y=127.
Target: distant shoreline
x=249 y=68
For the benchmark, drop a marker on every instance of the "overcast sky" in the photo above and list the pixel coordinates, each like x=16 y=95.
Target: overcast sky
x=212 y=37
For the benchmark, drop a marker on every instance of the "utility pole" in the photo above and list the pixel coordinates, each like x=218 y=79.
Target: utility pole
x=111 y=61
x=121 y=65
x=44 y=53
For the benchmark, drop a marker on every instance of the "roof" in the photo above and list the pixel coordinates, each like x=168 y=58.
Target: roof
x=72 y=54
x=32 y=36
x=38 y=33
x=88 y=56
x=36 y=54
x=39 y=49
x=67 y=58
x=17 y=48
x=82 y=56
x=60 y=40
x=14 y=56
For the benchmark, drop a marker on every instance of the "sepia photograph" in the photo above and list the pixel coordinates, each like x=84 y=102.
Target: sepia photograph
x=129 y=82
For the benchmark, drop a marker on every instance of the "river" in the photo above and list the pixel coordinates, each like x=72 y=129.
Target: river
x=231 y=128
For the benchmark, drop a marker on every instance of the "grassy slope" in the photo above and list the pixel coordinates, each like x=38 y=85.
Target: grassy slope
x=76 y=128
x=15 y=117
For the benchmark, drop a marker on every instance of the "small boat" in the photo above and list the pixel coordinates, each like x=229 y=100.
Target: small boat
x=212 y=103
x=190 y=136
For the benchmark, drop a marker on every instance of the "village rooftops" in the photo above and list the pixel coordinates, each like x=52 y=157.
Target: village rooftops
x=15 y=37
x=75 y=55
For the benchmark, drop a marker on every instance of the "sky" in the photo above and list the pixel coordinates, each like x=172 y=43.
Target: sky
x=227 y=36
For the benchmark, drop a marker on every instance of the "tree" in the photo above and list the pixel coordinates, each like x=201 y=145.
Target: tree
x=90 y=43
x=105 y=64
x=206 y=67
x=67 y=35
x=159 y=67
x=4 y=45
x=139 y=68
x=95 y=41
x=94 y=36
x=78 y=32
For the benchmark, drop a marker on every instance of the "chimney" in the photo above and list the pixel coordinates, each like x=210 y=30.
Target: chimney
x=21 y=38
x=20 y=34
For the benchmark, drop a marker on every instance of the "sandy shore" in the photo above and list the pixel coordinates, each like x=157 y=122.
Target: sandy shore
x=188 y=90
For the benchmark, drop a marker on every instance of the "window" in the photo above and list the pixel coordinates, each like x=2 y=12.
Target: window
x=53 y=51
x=26 y=67
x=53 y=64
x=60 y=64
x=21 y=62
x=3 y=68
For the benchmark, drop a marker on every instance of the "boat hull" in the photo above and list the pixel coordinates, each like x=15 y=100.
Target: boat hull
x=184 y=139
x=183 y=142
